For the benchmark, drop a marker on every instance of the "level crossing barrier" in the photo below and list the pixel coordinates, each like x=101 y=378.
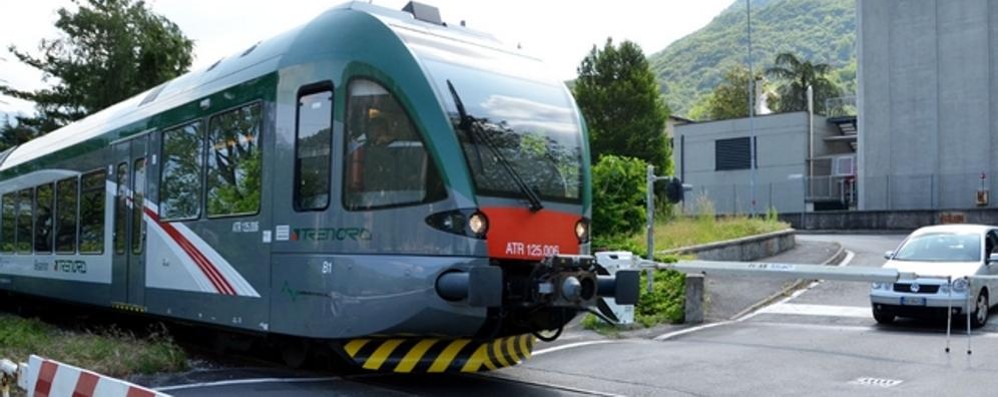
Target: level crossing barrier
x=811 y=272
x=48 y=378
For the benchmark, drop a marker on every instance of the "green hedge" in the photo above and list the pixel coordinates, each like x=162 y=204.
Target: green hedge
x=618 y=196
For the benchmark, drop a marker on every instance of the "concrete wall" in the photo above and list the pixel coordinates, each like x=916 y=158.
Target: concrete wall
x=782 y=149
x=742 y=249
x=887 y=220
x=925 y=118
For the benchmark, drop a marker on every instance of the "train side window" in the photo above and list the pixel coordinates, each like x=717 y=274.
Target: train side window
x=92 y=196
x=66 y=212
x=234 y=162
x=44 y=218
x=24 y=218
x=120 y=207
x=138 y=203
x=313 y=148
x=386 y=161
x=8 y=222
x=183 y=165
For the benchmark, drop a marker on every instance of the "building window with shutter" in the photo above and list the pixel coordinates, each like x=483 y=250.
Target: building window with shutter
x=733 y=154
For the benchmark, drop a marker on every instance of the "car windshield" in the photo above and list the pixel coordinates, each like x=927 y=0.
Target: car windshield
x=941 y=247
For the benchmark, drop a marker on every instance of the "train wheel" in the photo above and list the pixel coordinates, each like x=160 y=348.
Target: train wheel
x=294 y=352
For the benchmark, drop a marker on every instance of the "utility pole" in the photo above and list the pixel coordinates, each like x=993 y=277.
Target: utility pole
x=751 y=103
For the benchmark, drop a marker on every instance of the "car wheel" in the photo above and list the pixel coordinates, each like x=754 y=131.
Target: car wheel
x=980 y=316
x=883 y=316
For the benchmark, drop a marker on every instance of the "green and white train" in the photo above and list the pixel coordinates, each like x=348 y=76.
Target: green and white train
x=404 y=191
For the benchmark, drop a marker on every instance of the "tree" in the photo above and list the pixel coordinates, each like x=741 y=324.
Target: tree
x=624 y=110
x=796 y=76
x=109 y=50
x=13 y=133
x=729 y=100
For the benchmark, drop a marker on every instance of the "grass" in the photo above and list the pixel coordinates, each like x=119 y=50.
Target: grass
x=705 y=227
x=111 y=352
x=684 y=232
x=666 y=302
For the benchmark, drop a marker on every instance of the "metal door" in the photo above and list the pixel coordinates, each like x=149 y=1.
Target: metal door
x=129 y=177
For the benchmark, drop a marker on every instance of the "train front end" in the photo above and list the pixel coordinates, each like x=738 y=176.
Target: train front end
x=511 y=146
x=524 y=144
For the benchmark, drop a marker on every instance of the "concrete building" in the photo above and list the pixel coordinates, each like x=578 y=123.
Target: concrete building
x=928 y=108
x=715 y=158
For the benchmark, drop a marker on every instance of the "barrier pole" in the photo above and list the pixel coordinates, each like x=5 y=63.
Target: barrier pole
x=949 y=311
x=970 y=290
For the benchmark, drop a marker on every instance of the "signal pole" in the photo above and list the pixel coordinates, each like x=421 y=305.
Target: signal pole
x=751 y=103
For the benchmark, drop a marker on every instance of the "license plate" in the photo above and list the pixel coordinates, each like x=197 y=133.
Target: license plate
x=912 y=301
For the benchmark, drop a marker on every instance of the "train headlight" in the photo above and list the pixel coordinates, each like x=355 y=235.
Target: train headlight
x=478 y=223
x=463 y=222
x=582 y=230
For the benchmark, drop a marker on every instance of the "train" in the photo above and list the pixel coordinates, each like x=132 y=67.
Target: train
x=414 y=194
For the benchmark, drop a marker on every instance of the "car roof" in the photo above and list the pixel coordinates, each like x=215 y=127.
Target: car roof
x=953 y=228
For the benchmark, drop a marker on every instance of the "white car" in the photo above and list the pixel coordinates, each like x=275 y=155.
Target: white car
x=933 y=253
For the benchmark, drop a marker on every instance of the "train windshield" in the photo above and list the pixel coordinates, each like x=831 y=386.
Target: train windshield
x=532 y=125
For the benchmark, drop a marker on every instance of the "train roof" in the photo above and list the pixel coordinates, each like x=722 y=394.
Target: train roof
x=254 y=61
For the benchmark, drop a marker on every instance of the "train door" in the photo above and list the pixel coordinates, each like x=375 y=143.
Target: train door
x=128 y=248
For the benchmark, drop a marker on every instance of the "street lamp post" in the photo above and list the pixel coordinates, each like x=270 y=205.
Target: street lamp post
x=751 y=103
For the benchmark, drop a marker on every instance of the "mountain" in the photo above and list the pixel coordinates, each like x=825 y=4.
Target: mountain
x=823 y=31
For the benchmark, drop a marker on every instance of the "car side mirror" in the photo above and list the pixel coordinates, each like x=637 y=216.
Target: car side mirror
x=993 y=258
x=888 y=254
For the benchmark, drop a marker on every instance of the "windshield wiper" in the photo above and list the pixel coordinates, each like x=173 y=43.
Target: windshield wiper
x=474 y=128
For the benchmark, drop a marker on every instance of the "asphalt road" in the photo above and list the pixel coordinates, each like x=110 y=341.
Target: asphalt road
x=820 y=341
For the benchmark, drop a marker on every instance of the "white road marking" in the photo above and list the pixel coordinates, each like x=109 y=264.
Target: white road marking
x=817 y=310
x=957 y=332
x=247 y=382
x=849 y=256
x=571 y=346
x=544 y=384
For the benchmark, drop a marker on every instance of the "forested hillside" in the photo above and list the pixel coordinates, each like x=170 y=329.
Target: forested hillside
x=822 y=31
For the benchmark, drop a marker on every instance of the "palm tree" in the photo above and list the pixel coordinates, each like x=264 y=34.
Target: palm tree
x=796 y=76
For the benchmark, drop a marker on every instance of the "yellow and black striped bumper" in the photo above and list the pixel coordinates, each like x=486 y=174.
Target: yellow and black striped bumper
x=413 y=355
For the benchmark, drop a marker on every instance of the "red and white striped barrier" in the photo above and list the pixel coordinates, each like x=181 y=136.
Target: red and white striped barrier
x=47 y=378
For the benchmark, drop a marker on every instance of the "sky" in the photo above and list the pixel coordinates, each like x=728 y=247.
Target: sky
x=561 y=32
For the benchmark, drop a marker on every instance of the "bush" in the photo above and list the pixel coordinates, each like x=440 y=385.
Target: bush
x=665 y=303
x=618 y=196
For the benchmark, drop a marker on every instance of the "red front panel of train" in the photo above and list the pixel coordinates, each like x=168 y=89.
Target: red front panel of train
x=518 y=233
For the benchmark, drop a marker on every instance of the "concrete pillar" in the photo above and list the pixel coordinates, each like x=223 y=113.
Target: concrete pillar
x=694 y=298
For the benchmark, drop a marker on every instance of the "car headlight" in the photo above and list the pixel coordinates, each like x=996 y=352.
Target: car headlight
x=960 y=285
x=877 y=285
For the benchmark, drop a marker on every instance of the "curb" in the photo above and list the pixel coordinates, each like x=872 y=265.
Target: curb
x=717 y=250
x=839 y=255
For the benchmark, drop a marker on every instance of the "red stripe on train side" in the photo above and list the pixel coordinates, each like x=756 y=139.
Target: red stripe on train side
x=209 y=270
